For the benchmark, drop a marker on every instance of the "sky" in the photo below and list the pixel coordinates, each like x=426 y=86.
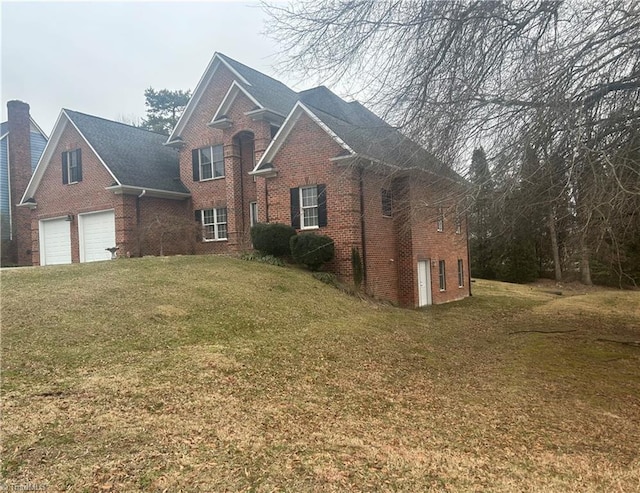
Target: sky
x=99 y=57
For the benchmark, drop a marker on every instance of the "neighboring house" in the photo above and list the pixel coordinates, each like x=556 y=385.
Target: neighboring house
x=21 y=144
x=249 y=149
x=252 y=150
x=101 y=184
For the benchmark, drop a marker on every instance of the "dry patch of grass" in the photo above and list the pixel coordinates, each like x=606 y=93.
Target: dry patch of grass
x=212 y=374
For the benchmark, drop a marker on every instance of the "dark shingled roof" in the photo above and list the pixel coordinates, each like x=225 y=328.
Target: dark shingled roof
x=4 y=128
x=135 y=156
x=272 y=94
x=369 y=135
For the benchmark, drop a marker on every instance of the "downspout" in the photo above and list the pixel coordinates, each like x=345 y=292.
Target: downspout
x=138 y=221
x=266 y=200
x=362 y=225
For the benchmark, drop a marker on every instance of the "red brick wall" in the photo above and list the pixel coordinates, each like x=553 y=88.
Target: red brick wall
x=304 y=159
x=237 y=188
x=167 y=227
x=427 y=194
x=170 y=219
x=55 y=199
x=380 y=240
x=19 y=141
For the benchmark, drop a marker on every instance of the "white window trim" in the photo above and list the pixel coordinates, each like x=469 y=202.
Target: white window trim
x=68 y=164
x=442 y=275
x=253 y=216
x=211 y=164
x=460 y=273
x=214 y=224
x=302 y=208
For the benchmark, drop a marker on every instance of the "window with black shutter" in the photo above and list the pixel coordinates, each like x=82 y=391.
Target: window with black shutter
x=71 y=166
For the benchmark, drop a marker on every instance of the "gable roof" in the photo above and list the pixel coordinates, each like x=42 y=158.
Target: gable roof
x=134 y=157
x=270 y=94
x=360 y=132
x=4 y=128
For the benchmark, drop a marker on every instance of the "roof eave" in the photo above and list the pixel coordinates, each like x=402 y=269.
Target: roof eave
x=29 y=205
x=265 y=114
x=265 y=172
x=148 y=192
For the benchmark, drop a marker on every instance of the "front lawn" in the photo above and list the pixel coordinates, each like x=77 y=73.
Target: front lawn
x=213 y=374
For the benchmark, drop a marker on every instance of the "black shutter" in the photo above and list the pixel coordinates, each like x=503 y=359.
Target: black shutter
x=195 y=161
x=65 y=170
x=322 y=205
x=295 y=207
x=198 y=216
x=79 y=152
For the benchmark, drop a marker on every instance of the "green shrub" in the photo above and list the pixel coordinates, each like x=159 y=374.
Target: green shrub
x=312 y=250
x=272 y=238
x=327 y=278
x=265 y=259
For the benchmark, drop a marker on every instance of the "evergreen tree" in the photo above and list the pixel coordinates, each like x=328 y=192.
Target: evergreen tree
x=164 y=108
x=481 y=216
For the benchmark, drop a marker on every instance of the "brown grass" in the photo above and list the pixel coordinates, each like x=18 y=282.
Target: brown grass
x=212 y=374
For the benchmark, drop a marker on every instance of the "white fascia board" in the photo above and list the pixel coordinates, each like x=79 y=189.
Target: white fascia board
x=215 y=62
x=92 y=149
x=38 y=128
x=3 y=136
x=230 y=97
x=46 y=155
x=233 y=70
x=150 y=192
x=287 y=127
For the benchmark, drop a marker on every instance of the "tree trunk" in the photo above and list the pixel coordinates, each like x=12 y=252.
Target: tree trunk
x=554 y=246
x=585 y=269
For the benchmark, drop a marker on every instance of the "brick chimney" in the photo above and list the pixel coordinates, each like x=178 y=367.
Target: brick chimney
x=19 y=126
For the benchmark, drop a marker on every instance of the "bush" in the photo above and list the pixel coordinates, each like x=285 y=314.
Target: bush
x=272 y=238
x=265 y=259
x=312 y=250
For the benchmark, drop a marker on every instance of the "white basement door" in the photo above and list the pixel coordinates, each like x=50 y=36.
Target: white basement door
x=55 y=241
x=97 y=231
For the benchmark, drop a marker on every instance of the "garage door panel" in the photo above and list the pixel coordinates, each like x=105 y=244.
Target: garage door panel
x=55 y=241
x=98 y=232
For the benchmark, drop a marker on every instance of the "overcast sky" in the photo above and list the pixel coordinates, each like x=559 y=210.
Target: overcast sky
x=98 y=58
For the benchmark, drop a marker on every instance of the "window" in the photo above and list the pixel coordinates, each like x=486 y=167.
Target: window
x=208 y=163
x=460 y=274
x=458 y=222
x=440 y=221
x=442 y=276
x=253 y=213
x=309 y=207
x=71 y=167
x=387 y=203
x=214 y=224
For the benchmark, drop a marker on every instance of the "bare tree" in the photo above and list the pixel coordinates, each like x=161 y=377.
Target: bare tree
x=563 y=76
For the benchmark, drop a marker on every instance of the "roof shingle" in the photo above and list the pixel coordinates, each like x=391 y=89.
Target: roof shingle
x=135 y=156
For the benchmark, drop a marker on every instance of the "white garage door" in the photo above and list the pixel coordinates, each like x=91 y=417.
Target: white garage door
x=97 y=232
x=55 y=242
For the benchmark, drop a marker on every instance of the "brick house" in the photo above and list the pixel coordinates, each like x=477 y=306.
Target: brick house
x=102 y=184
x=21 y=144
x=252 y=150
x=249 y=149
